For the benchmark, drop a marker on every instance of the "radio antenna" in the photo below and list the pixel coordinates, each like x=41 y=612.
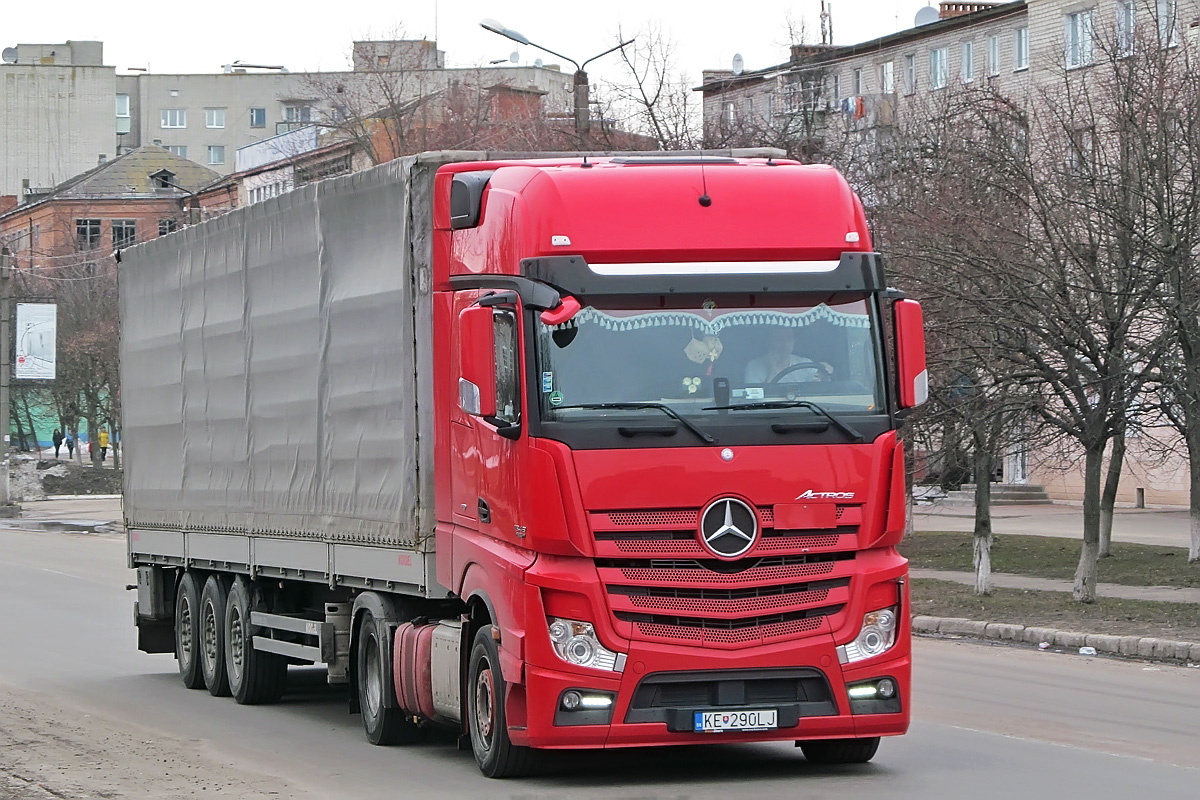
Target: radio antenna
x=705 y=200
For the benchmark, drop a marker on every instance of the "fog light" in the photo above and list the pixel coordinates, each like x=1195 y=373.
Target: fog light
x=597 y=701
x=572 y=701
x=887 y=688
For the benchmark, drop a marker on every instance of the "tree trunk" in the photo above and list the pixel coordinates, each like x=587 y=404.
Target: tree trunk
x=1109 y=498
x=983 y=515
x=1194 y=498
x=1087 y=572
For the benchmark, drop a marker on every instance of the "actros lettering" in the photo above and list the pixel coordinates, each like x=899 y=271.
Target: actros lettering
x=811 y=495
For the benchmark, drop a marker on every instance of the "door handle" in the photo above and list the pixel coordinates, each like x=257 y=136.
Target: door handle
x=485 y=513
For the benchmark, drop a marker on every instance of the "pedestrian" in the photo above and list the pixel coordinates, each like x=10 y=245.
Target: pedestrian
x=103 y=444
x=57 y=438
x=70 y=440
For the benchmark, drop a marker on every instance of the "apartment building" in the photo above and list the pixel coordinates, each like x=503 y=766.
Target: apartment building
x=1012 y=47
x=65 y=112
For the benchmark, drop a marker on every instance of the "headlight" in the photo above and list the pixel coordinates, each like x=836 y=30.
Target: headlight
x=576 y=643
x=878 y=634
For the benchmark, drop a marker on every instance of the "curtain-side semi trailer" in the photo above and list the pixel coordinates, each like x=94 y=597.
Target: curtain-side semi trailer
x=562 y=452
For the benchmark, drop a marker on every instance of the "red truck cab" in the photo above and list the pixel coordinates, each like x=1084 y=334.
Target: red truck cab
x=669 y=485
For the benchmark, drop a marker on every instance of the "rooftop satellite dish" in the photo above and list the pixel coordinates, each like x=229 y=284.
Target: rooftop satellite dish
x=514 y=56
x=925 y=16
x=9 y=55
x=537 y=62
x=739 y=65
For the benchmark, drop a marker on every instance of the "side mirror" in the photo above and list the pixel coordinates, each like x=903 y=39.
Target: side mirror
x=910 y=352
x=477 y=362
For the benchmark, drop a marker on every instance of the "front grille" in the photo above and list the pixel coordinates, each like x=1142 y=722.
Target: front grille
x=663 y=585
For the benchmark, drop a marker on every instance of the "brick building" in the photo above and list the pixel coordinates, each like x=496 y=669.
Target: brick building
x=138 y=196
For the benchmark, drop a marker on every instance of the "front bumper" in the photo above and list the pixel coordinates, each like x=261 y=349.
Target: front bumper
x=814 y=717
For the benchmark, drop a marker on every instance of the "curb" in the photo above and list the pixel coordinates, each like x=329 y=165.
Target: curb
x=1136 y=646
x=77 y=497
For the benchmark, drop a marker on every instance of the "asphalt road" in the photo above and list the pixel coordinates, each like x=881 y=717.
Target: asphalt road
x=990 y=721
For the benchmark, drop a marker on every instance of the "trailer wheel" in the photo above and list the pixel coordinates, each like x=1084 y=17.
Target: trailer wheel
x=495 y=753
x=187 y=632
x=384 y=721
x=255 y=676
x=212 y=636
x=840 y=751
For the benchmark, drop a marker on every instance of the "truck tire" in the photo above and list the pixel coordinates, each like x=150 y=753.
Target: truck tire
x=495 y=753
x=840 y=751
x=383 y=720
x=187 y=631
x=255 y=676
x=212 y=636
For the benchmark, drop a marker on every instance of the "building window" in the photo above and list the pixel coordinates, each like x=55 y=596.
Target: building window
x=858 y=83
x=968 y=62
x=214 y=118
x=1125 y=27
x=178 y=149
x=938 y=63
x=1021 y=49
x=993 y=56
x=1080 y=43
x=123 y=117
x=174 y=118
x=216 y=154
x=887 y=78
x=166 y=226
x=298 y=113
x=258 y=118
x=837 y=88
x=1166 y=11
x=124 y=232
x=910 y=73
x=87 y=233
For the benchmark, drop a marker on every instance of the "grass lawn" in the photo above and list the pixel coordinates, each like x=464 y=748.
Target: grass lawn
x=1057 y=610
x=1047 y=557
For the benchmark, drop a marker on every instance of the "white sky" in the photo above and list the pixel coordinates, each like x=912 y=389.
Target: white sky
x=308 y=35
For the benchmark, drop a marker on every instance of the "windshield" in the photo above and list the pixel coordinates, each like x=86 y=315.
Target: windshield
x=696 y=354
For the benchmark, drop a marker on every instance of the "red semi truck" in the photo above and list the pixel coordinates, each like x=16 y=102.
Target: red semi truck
x=563 y=452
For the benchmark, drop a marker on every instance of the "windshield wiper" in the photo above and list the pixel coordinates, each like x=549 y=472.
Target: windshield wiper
x=843 y=427
x=666 y=409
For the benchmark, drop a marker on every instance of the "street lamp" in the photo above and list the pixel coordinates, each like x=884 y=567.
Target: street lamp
x=583 y=120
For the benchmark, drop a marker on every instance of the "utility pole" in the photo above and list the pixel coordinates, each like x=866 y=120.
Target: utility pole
x=5 y=372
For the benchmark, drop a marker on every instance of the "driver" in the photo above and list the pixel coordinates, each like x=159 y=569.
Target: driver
x=779 y=362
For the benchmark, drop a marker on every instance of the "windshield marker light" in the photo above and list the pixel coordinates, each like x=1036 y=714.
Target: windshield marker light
x=715 y=268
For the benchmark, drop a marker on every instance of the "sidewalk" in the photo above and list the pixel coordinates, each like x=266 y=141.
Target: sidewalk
x=80 y=514
x=1157 y=526
x=1006 y=580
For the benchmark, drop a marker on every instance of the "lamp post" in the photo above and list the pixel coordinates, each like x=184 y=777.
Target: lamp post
x=583 y=119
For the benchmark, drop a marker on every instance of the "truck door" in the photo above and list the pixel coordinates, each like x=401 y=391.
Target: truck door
x=485 y=476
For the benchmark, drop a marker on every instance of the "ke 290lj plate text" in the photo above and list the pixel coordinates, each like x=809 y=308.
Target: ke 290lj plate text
x=750 y=720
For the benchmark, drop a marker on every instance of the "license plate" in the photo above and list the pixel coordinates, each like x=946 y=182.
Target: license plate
x=746 y=720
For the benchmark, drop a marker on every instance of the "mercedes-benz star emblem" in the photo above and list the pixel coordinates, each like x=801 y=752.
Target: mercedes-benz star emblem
x=728 y=527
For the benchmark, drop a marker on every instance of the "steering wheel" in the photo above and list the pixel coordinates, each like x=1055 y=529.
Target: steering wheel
x=788 y=370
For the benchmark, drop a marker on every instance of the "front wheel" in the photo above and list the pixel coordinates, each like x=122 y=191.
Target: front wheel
x=495 y=753
x=840 y=751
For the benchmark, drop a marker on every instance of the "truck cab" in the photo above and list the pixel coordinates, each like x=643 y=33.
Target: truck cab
x=669 y=480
